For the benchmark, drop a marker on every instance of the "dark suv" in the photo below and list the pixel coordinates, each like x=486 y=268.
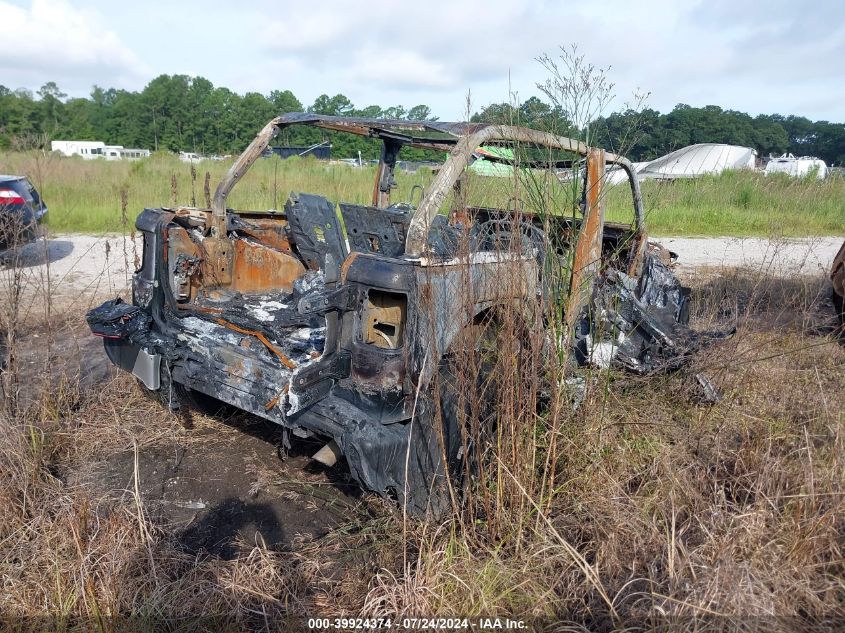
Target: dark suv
x=21 y=210
x=337 y=320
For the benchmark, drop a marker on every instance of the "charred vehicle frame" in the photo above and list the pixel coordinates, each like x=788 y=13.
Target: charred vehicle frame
x=332 y=319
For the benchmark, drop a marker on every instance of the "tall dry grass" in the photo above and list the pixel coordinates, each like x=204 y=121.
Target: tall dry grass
x=662 y=513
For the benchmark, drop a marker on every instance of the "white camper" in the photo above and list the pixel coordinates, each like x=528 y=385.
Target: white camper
x=118 y=152
x=797 y=166
x=86 y=149
x=97 y=149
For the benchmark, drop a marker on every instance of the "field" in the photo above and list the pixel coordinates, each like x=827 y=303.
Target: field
x=633 y=505
x=665 y=513
x=87 y=196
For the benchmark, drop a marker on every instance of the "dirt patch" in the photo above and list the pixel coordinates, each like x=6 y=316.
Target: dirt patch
x=65 y=352
x=215 y=478
x=224 y=488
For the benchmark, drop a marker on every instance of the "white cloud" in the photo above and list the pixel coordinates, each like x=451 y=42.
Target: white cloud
x=435 y=44
x=763 y=56
x=52 y=40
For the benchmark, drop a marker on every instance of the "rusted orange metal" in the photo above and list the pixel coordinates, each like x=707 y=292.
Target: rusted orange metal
x=258 y=268
x=269 y=231
x=378 y=196
x=287 y=362
x=275 y=400
x=217 y=262
x=344 y=267
x=587 y=257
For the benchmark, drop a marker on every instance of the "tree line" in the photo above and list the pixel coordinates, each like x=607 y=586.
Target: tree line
x=646 y=134
x=178 y=112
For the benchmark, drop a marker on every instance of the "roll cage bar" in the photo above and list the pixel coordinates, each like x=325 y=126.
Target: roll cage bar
x=459 y=139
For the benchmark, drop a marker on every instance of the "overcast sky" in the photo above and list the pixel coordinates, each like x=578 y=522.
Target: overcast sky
x=782 y=56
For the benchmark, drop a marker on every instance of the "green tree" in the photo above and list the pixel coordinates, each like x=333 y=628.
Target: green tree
x=337 y=105
x=420 y=113
x=370 y=112
x=52 y=108
x=285 y=101
x=394 y=112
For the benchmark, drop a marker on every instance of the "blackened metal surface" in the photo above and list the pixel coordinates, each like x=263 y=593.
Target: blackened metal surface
x=118 y=320
x=639 y=324
x=435 y=133
x=380 y=272
x=377 y=369
x=373 y=230
x=385 y=177
x=837 y=278
x=315 y=229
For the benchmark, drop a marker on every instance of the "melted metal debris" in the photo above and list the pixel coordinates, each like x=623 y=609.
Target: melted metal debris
x=639 y=325
x=264 y=309
x=311 y=280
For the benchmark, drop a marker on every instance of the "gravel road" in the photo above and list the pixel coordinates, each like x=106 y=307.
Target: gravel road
x=782 y=257
x=77 y=269
x=86 y=268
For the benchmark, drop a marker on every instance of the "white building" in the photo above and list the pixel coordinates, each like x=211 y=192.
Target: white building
x=86 y=149
x=797 y=166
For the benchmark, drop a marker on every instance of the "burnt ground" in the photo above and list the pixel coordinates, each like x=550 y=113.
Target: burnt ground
x=225 y=487
x=215 y=478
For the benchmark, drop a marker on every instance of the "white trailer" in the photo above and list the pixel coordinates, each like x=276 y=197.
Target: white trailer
x=86 y=149
x=118 y=152
x=797 y=166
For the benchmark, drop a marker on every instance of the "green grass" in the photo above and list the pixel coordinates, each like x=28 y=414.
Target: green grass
x=85 y=196
x=739 y=204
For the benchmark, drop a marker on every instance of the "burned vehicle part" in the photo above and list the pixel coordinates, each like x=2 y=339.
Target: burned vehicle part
x=837 y=278
x=339 y=320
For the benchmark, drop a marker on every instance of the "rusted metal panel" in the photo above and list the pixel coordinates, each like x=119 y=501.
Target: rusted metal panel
x=269 y=231
x=586 y=260
x=217 y=263
x=259 y=268
x=181 y=248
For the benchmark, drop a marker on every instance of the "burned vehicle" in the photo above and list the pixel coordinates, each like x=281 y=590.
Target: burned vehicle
x=331 y=319
x=837 y=278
